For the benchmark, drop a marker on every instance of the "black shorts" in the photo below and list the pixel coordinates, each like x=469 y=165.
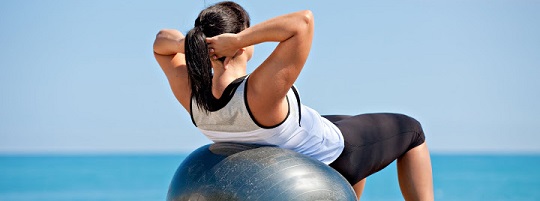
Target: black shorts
x=373 y=141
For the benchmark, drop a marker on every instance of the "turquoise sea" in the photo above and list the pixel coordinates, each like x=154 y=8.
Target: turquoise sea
x=146 y=178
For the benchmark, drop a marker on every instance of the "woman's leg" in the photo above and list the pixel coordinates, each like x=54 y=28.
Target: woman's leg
x=373 y=141
x=415 y=174
x=359 y=188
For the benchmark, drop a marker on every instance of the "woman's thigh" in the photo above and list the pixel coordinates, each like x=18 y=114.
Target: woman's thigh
x=373 y=141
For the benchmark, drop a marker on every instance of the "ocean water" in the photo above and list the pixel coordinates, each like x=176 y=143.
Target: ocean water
x=147 y=177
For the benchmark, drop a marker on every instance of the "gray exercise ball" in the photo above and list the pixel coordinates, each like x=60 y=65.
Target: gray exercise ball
x=228 y=171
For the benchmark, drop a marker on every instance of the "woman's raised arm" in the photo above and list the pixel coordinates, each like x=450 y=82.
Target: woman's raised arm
x=269 y=83
x=169 y=42
x=169 y=53
x=293 y=31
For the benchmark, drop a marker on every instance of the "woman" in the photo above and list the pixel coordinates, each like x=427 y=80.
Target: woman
x=206 y=70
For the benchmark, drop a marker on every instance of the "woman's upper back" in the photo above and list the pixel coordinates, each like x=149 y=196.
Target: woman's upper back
x=268 y=84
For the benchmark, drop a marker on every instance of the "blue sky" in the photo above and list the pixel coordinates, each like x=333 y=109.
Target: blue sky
x=80 y=77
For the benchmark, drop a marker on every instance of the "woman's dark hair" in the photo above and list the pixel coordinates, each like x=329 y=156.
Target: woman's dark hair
x=224 y=17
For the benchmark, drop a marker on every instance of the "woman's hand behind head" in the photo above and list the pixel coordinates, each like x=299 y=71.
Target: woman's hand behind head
x=224 y=45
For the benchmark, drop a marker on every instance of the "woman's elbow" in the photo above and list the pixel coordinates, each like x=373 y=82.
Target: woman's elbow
x=164 y=39
x=160 y=35
x=157 y=46
x=169 y=33
x=307 y=16
x=307 y=21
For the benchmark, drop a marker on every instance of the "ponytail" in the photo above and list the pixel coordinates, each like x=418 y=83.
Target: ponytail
x=224 y=17
x=199 y=67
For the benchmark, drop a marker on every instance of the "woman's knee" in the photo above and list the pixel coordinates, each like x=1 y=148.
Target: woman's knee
x=416 y=127
x=412 y=127
x=411 y=123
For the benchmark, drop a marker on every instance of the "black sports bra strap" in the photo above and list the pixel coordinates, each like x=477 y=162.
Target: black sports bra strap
x=299 y=104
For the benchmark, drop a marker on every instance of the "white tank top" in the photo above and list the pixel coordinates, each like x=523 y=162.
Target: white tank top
x=303 y=130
